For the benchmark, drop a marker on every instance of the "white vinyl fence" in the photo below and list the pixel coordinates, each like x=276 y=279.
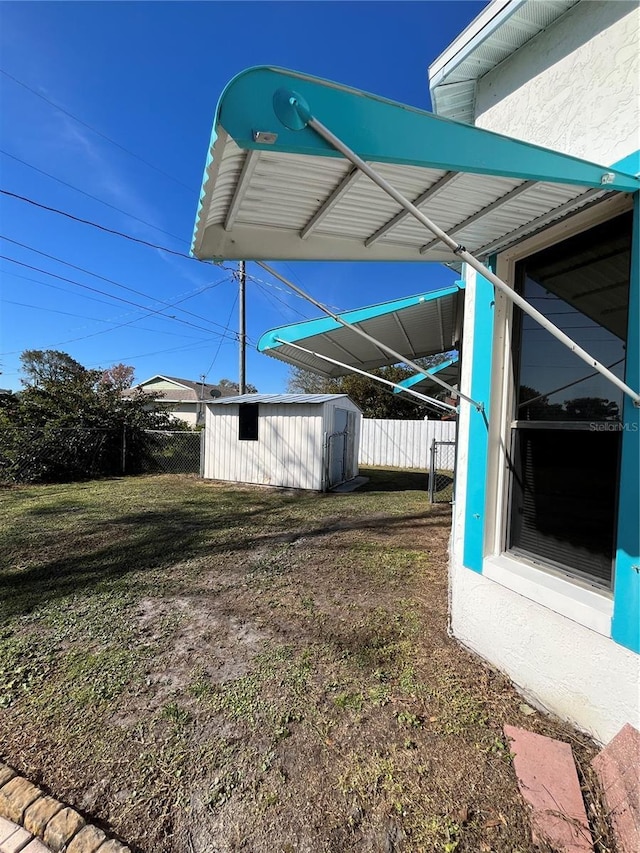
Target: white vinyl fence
x=401 y=444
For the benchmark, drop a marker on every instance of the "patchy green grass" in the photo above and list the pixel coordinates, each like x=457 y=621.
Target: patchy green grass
x=201 y=666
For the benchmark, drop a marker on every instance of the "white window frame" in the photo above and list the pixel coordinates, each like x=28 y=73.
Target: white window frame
x=580 y=601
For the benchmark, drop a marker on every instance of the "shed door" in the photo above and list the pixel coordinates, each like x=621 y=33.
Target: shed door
x=340 y=442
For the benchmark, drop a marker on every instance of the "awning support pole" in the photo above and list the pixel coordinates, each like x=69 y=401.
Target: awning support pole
x=431 y=400
x=457 y=249
x=401 y=358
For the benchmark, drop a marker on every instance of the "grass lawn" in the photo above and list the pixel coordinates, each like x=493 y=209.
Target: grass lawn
x=201 y=667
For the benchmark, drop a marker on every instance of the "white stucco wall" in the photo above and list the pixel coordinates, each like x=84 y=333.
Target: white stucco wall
x=558 y=664
x=575 y=87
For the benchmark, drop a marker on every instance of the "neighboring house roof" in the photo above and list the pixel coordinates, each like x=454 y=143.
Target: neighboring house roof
x=183 y=390
x=498 y=31
x=277 y=399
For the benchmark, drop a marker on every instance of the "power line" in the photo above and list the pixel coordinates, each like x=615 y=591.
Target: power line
x=89 y=195
x=103 y=301
x=217 y=352
x=127 y=323
x=123 y=358
x=94 y=319
x=260 y=286
x=111 y=296
x=112 y=281
x=55 y=287
x=95 y=130
x=101 y=227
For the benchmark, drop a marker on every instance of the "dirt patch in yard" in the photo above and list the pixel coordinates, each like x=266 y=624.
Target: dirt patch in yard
x=200 y=668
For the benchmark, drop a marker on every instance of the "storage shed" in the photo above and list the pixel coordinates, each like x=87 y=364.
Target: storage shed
x=299 y=441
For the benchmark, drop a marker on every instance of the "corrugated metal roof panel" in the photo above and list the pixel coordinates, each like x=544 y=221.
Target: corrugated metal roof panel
x=414 y=327
x=279 y=399
x=286 y=190
x=296 y=198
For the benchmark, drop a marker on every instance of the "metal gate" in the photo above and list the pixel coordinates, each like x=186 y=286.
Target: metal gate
x=340 y=444
x=442 y=471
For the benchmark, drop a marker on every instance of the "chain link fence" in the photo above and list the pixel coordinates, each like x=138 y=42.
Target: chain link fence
x=66 y=454
x=58 y=454
x=442 y=471
x=171 y=452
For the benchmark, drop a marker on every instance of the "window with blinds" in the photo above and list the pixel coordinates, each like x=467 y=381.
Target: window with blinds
x=566 y=431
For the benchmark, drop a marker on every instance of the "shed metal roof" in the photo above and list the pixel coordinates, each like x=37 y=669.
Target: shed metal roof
x=274 y=189
x=415 y=327
x=278 y=399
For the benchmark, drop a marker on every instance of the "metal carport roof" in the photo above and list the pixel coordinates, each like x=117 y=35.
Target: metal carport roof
x=274 y=189
x=415 y=326
x=281 y=183
x=448 y=370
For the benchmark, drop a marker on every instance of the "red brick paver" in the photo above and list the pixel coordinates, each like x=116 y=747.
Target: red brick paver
x=548 y=781
x=618 y=768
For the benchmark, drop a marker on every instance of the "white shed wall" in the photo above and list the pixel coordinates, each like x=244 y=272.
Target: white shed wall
x=574 y=88
x=288 y=451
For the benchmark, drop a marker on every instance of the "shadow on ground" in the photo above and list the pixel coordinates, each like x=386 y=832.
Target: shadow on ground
x=131 y=550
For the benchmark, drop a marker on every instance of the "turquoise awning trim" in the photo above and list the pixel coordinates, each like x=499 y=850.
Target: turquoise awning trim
x=388 y=131
x=268 y=177
x=311 y=328
x=443 y=367
x=412 y=327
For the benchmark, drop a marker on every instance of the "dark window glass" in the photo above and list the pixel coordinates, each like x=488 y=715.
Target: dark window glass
x=248 y=422
x=566 y=433
x=564 y=497
x=582 y=286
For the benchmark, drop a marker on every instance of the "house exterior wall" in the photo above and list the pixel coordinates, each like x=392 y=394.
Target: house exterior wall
x=574 y=88
x=184 y=412
x=288 y=452
x=571 y=648
x=163 y=385
x=557 y=663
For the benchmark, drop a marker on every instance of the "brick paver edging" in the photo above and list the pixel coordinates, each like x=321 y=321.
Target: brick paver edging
x=60 y=827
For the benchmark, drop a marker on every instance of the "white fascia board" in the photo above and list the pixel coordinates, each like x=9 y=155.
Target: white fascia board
x=495 y=14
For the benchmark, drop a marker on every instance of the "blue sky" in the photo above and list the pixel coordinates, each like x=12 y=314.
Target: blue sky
x=148 y=76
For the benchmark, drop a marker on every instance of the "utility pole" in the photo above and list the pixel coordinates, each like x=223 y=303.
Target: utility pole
x=200 y=405
x=242 y=332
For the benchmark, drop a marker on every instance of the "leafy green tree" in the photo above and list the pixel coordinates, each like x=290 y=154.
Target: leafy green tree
x=69 y=422
x=234 y=386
